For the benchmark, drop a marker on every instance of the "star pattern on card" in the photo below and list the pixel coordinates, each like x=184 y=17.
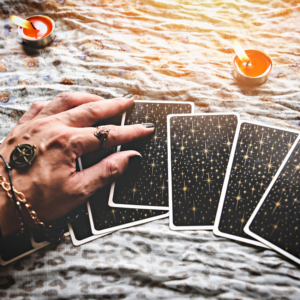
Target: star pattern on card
x=103 y=215
x=279 y=215
x=200 y=150
x=260 y=151
x=151 y=184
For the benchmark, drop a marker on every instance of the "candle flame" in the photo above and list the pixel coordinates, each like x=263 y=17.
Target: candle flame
x=240 y=52
x=21 y=22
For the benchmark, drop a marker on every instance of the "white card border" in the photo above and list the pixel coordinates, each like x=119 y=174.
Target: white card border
x=44 y=243
x=86 y=240
x=247 y=226
x=127 y=225
x=41 y=244
x=110 y=200
x=38 y=247
x=216 y=230
x=171 y=224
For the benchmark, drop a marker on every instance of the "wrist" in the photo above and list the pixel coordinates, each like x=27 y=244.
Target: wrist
x=9 y=215
x=9 y=221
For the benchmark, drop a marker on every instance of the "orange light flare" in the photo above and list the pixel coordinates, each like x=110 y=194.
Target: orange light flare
x=242 y=54
x=22 y=22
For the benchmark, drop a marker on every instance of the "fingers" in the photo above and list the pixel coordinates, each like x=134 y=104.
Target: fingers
x=84 y=140
x=33 y=111
x=88 y=181
x=89 y=113
x=66 y=100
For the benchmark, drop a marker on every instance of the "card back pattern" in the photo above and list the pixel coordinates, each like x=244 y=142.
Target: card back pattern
x=259 y=153
x=200 y=150
x=278 y=219
x=150 y=186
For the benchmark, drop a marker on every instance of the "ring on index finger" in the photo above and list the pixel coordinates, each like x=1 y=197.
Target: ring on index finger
x=101 y=134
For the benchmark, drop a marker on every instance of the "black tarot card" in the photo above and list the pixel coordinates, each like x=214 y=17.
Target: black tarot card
x=80 y=228
x=105 y=219
x=199 y=151
x=14 y=247
x=276 y=219
x=259 y=152
x=100 y=219
x=148 y=189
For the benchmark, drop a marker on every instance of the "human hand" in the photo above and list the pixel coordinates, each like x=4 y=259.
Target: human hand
x=62 y=131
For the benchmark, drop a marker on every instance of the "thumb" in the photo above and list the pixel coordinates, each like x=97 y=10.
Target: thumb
x=88 y=181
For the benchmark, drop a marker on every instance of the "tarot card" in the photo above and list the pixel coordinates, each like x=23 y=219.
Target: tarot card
x=198 y=155
x=276 y=219
x=148 y=189
x=80 y=229
x=258 y=153
x=16 y=246
x=100 y=219
x=105 y=219
x=37 y=239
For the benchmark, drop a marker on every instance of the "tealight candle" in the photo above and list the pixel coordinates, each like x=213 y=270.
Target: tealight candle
x=251 y=67
x=35 y=31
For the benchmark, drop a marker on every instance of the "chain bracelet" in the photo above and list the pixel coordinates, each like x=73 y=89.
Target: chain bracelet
x=21 y=199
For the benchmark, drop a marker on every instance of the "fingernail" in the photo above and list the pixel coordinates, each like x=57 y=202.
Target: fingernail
x=129 y=96
x=135 y=161
x=148 y=125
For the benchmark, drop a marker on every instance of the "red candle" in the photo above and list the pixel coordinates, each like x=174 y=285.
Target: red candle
x=42 y=24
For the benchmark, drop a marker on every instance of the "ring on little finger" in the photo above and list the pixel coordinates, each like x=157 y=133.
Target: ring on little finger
x=101 y=134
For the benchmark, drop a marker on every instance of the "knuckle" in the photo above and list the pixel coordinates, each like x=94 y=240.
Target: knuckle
x=80 y=191
x=114 y=132
x=69 y=115
x=112 y=169
x=138 y=130
x=39 y=125
x=63 y=137
x=37 y=105
x=64 y=96
x=120 y=102
x=89 y=108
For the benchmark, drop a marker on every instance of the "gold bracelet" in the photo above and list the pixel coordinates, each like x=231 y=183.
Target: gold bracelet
x=21 y=199
x=6 y=186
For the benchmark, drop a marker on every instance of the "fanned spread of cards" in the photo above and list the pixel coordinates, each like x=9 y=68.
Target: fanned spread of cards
x=148 y=189
x=259 y=152
x=276 y=219
x=198 y=154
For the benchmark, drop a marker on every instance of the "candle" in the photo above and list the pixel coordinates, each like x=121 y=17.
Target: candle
x=251 y=66
x=43 y=25
x=35 y=31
